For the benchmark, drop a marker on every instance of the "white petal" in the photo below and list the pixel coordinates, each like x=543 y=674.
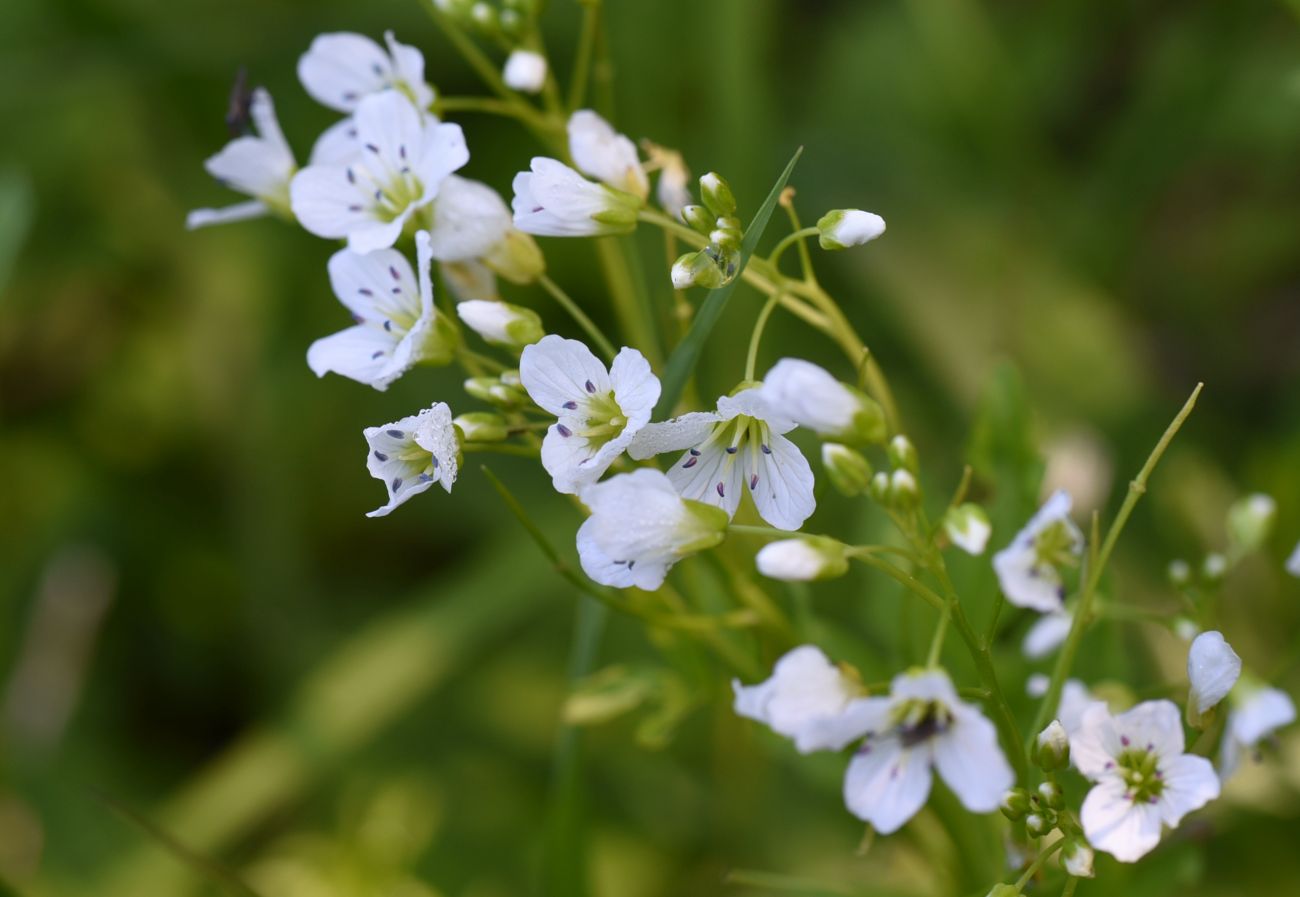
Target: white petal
x=752 y=403
x=1027 y=583
x=711 y=475
x=636 y=388
x=804 y=686
x=556 y=371
x=525 y=71
x=569 y=459
x=1190 y=783
x=809 y=395
x=408 y=69
x=239 y=212
x=376 y=286
x=1154 y=725
x=337 y=145
x=444 y=152
x=1113 y=823
x=971 y=762
x=834 y=732
x=1212 y=668
x=1047 y=634
x=780 y=481
x=1260 y=714
x=639 y=516
x=435 y=434
x=339 y=70
x=252 y=166
x=886 y=784
x=328 y=205
x=391 y=132
x=554 y=200
x=601 y=152
x=470 y=280
x=1095 y=743
x=1075 y=699
x=469 y=218
x=926 y=685
x=361 y=353
x=673 y=435
x=603 y=569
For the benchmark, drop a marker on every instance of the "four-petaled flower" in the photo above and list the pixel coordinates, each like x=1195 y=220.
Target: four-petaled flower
x=1143 y=779
x=639 y=527
x=600 y=411
x=340 y=70
x=1029 y=569
x=397 y=325
x=368 y=199
x=258 y=166
x=738 y=449
x=803 y=700
x=412 y=454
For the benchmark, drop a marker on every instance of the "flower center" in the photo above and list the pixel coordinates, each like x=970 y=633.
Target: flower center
x=393 y=189
x=604 y=419
x=1054 y=546
x=1138 y=767
x=917 y=721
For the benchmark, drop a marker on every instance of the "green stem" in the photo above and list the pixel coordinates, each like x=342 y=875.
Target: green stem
x=489 y=106
x=769 y=532
x=1038 y=862
x=917 y=587
x=588 y=326
x=634 y=317
x=774 y=259
x=500 y=448
x=1082 y=613
x=936 y=642
x=751 y=359
x=582 y=58
x=1070 y=884
x=805 y=258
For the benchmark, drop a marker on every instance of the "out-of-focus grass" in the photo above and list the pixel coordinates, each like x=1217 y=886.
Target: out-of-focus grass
x=1106 y=195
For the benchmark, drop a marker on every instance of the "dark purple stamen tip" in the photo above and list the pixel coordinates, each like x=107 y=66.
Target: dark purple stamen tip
x=381 y=456
x=731 y=449
x=397 y=483
x=591 y=387
x=690 y=462
x=571 y=405
x=396 y=434
x=722 y=492
x=753 y=482
x=563 y=430
x=766 y=450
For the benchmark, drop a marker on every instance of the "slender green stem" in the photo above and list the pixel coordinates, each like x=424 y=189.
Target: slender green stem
x=591 y=15
x=588 y=326
x=789 y=240
x=1038 y=862
x=805 y=258
x=1083 y=612
x=1071 y=884
x=480 y=360
x=768 y=532
x=751 y=359
x=489 y=106
x=936 y=642
x=918 y=588
x=500 y=448
x=633 y=315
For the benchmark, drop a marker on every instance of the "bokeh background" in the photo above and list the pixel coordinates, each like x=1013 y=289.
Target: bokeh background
x=205 y=646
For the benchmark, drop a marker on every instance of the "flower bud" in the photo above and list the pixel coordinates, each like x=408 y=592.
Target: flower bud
x=1250 y=520
x=848 y=470
x=903 y=488
x=525 y=70
x=495 y=391
x=1186 y=628
x=843 y=228
x=1052 y=749
x=501 y=323
x=803 y=559
x=1214 y=566
x=1179 y=572
x=967 y=527
x=717 y=195
x=482 y=426
x=1004 y=890
x=879 y=488
x=1038 y=824
x=516 y=257
x=1051 y=795
x=903 y=454
x=1213 y=669
x=484 y=16
x=696 y=269
x=698 y=218
x=1015 y=804
x=1076 y=858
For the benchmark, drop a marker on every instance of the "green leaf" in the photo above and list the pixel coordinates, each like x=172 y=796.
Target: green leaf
x=684 y=358
x=17 y=205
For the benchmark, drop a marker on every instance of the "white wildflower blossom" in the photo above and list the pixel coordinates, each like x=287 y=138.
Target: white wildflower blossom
x=1029 y=569
x=600 y=411
x=639 y=527
x=369 y=199
x=805 y=559
x=843 y=228
x=525 y=71
x=412 y=454
x=340 y=70
x=1212 y=669
x=553 y=200
x=1047 y=634
x=1258 y=710
x=803 y=700
x=471 y=222
x=260 y=166
x=1075 y=699
x=1143 y=779
x=397 y=325
x=601 y=152
x=738 y=449
x=812 y=398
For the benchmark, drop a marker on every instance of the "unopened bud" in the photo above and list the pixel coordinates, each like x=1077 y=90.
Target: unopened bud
x=848 y=470
x=1250 y=520
x=699 y=218
x=1179 y=572
x=484 y=16
x=1214 y=566
x=1050 y=794
x=516 y=257
x=717 y=195
x=803 y=559
x=525 y=70
x=1052 y=748
x=843 y=228
x=500 y=323
x=1038 y=824
x=967 y=527
x=1014 y=804
x=879 y=488
x=1076 y=859
x=696 y=269
x=482 y=426
x=903 y=488
x=495 y=391
x=903 y=454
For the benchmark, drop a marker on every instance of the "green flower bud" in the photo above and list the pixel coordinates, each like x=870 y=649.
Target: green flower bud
x=501 y=323
x=1015 y=804
x=848 y=470
x=843 y=228
x=967 y=527
x=803 y=559
x=717 y=195
x=1076 y=858
x=699 y=218
x=903 y=454
x=482 y=426
x=1050 y=793
x=903 y=488
x=1179 y=572
x=1052 y=747
x=1039 y=824
x=1250 y=520
x=1214 y=567
x=696 y=269
x=495 y=391
x=879 y=488
x=484 y=16
x=869 y=421
x=517 y=258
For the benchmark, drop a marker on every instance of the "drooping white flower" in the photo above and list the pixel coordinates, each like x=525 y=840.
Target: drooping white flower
x=525 y=70
x=738 y=449
x=1047 y=634
x=1029 y=569
x=259 y=166
x=471 y=222
x=805 y=559
x=1212 y=670
x=1258 y=710
x=967 y=527
x=843 y=228
x=553 y=200
x=599 y=410
x=412 y=454
x=340 y=70
x=501 y=323
x=369 y=199
x=921 y=726
x=1075 y=699
x=397 y=325
x=639 y=527
x=803 y=700
x=1293 y=562
x=1143 y=779
x=602 y=153
x=812 y=398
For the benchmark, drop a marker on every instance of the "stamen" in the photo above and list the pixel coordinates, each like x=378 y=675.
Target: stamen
x=690 y=462
x=380 y=456
x=722 y=493
x=563 y=430
x=372 y=148
x=377 y=354
x=392 y=269
x=570 y=405
x=731 y=449
x=695 y=452
x=766 y=450
x=753 y=481
x=591 y=387
x=396 y=434
x=397 y=483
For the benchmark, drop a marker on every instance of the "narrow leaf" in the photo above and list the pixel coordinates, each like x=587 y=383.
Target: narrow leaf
x=684 y=358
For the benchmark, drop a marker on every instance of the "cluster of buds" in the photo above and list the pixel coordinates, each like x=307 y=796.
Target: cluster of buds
x=503 y=391
x=1038 y=809
x=898 y=489
x=510 y=19
x=718 y=263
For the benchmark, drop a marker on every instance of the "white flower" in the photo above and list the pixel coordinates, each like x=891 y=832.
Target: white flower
x=639 y=527
x=599 y=410
x=1029 y=569
x=804 y=559
x=525 y=71
x=1047 y=634
x=1257 y=711
x=412 y=454
x=1293 y=562
x=260 y=167
x=922 y=725
x=471 y=222
x=1144 y=780
x=1075 y=699
x=803 y=700
x=1212 y=669
x=1077 y=859
x=812 y=398
x=967 y=527
x=843 y=228
x=672 y=191
x=397 y=325
x=737 y=449
x=403 y=162
x=553 y=200
x=339 y=144
x=500 y=323
x=602 y=153
x=341 y=70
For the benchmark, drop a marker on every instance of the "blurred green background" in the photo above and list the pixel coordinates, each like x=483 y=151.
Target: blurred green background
x=198 y=625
